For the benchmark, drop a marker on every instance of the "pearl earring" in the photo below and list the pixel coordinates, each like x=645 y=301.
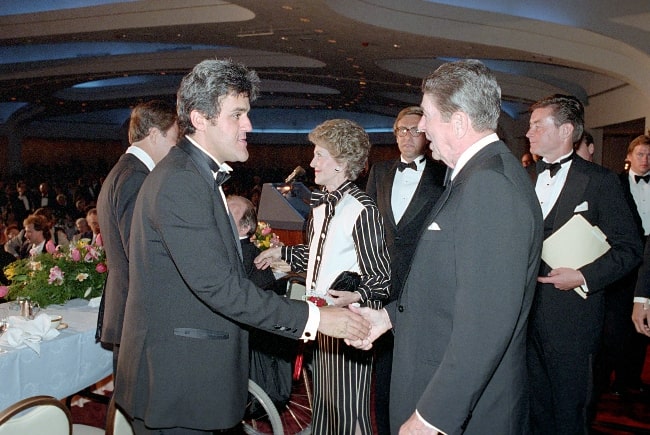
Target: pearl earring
x=337 y=169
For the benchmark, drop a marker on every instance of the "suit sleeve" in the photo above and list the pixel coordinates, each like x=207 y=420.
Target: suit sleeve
x=642 y=289
x=614 y=218
x=492 y=256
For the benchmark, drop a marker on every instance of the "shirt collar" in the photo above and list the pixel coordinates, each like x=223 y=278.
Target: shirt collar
x=225 y=167
x=142 y=156
x=472 y=151
x=559 y=158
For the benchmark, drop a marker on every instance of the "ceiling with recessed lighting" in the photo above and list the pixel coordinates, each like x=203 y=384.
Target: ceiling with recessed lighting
x=74 y=68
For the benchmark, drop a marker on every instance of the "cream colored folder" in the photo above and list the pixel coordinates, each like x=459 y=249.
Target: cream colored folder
x=574 y=245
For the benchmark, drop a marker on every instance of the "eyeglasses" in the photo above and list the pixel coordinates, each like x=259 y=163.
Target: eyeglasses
x=401 y=131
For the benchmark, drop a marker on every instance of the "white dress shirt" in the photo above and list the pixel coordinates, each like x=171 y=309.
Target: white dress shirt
x=641 y=194
x=405 y=184
x=548 y=188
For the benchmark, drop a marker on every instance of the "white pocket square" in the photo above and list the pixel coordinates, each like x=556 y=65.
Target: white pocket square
x=581 y=207
x=434 y=227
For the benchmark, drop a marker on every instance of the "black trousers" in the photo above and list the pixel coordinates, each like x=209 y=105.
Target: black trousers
x=383 y=367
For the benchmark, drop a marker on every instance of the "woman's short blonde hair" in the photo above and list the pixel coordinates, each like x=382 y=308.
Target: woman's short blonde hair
x=346 y=141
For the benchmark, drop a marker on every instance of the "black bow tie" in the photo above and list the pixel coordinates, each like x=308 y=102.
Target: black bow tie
x=401 y=166
x=221 y=177
x=645 y=178
x=552 y=167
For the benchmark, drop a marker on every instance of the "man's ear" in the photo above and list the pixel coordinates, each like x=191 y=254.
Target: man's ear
x=460 y=122
x=566 y=130
x=199 y=121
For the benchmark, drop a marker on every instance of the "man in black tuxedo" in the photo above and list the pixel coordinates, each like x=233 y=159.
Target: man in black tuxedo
x=405 y=190
x=153 y=131
x=459 y=363
x=629 y=349
x=184 y=359
x=565 y=326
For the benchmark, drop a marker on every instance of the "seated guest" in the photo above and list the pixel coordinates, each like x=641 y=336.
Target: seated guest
x=37 y=233
x=93 y=223
x=83 y=230
x=271 y=355
x=245 y=217
x=56 y=234
x=5 y=257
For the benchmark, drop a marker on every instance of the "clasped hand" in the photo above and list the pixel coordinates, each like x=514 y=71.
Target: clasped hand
x=563 y=278
x=379 y=323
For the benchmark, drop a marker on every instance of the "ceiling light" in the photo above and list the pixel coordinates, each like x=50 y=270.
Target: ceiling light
x=248 y=34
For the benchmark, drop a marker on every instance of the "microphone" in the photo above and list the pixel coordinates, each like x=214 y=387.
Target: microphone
x=298 y=172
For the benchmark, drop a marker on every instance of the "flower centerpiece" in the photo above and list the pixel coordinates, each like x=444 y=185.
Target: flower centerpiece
x=264 y=237
x=58 y=274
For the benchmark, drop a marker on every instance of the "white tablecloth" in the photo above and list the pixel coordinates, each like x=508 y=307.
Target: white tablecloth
x=67 y=363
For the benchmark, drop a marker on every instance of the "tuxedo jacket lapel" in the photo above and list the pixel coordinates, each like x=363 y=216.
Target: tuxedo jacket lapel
x=200 y=160
x=386 y=192
x=465 y=172
x=572 y=193
x=423 y=193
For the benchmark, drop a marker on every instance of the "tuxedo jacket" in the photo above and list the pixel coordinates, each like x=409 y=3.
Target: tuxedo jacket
x=114 y=211
x=564 y=320
x=184 y=357
x=402 y=237
x=460 y=321
x=642 y=288
x=642 y=284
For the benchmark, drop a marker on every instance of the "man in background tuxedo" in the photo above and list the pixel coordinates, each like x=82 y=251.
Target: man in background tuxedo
x=565 y=327
x=405 y=190
x=153 y=131
x=629 y=354
x=245 y=217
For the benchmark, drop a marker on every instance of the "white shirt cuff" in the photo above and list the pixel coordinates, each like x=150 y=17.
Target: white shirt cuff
x=427 y=424
x=311 y=328
x=641 y=300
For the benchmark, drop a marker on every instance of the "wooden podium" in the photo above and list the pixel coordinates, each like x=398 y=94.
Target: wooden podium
x=285 y=207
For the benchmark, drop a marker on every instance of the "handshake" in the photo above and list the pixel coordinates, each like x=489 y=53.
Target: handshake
x=360 y=327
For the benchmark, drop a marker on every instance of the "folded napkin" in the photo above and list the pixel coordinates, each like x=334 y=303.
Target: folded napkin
x=24 y=332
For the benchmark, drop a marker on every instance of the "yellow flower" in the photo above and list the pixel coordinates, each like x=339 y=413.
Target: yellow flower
x=81 y=277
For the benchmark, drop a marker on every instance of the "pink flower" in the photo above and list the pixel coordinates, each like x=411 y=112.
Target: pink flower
x=49 y=247
x=56 y=276
x=76 y=255
x=101 y=268
x=3 y=291
x=266 y=231
x=91 y=254
x=99 y=241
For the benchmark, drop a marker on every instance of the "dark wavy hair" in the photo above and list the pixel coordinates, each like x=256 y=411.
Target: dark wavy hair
x=205 y=87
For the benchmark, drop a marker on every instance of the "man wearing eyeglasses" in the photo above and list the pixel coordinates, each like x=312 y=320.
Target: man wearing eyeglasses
x=405 y=190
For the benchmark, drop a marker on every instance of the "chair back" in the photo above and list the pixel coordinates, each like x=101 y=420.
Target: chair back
x=117 y=422
x=36 y=416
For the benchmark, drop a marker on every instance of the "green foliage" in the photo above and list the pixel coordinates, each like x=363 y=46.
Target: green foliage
x=78 y=271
